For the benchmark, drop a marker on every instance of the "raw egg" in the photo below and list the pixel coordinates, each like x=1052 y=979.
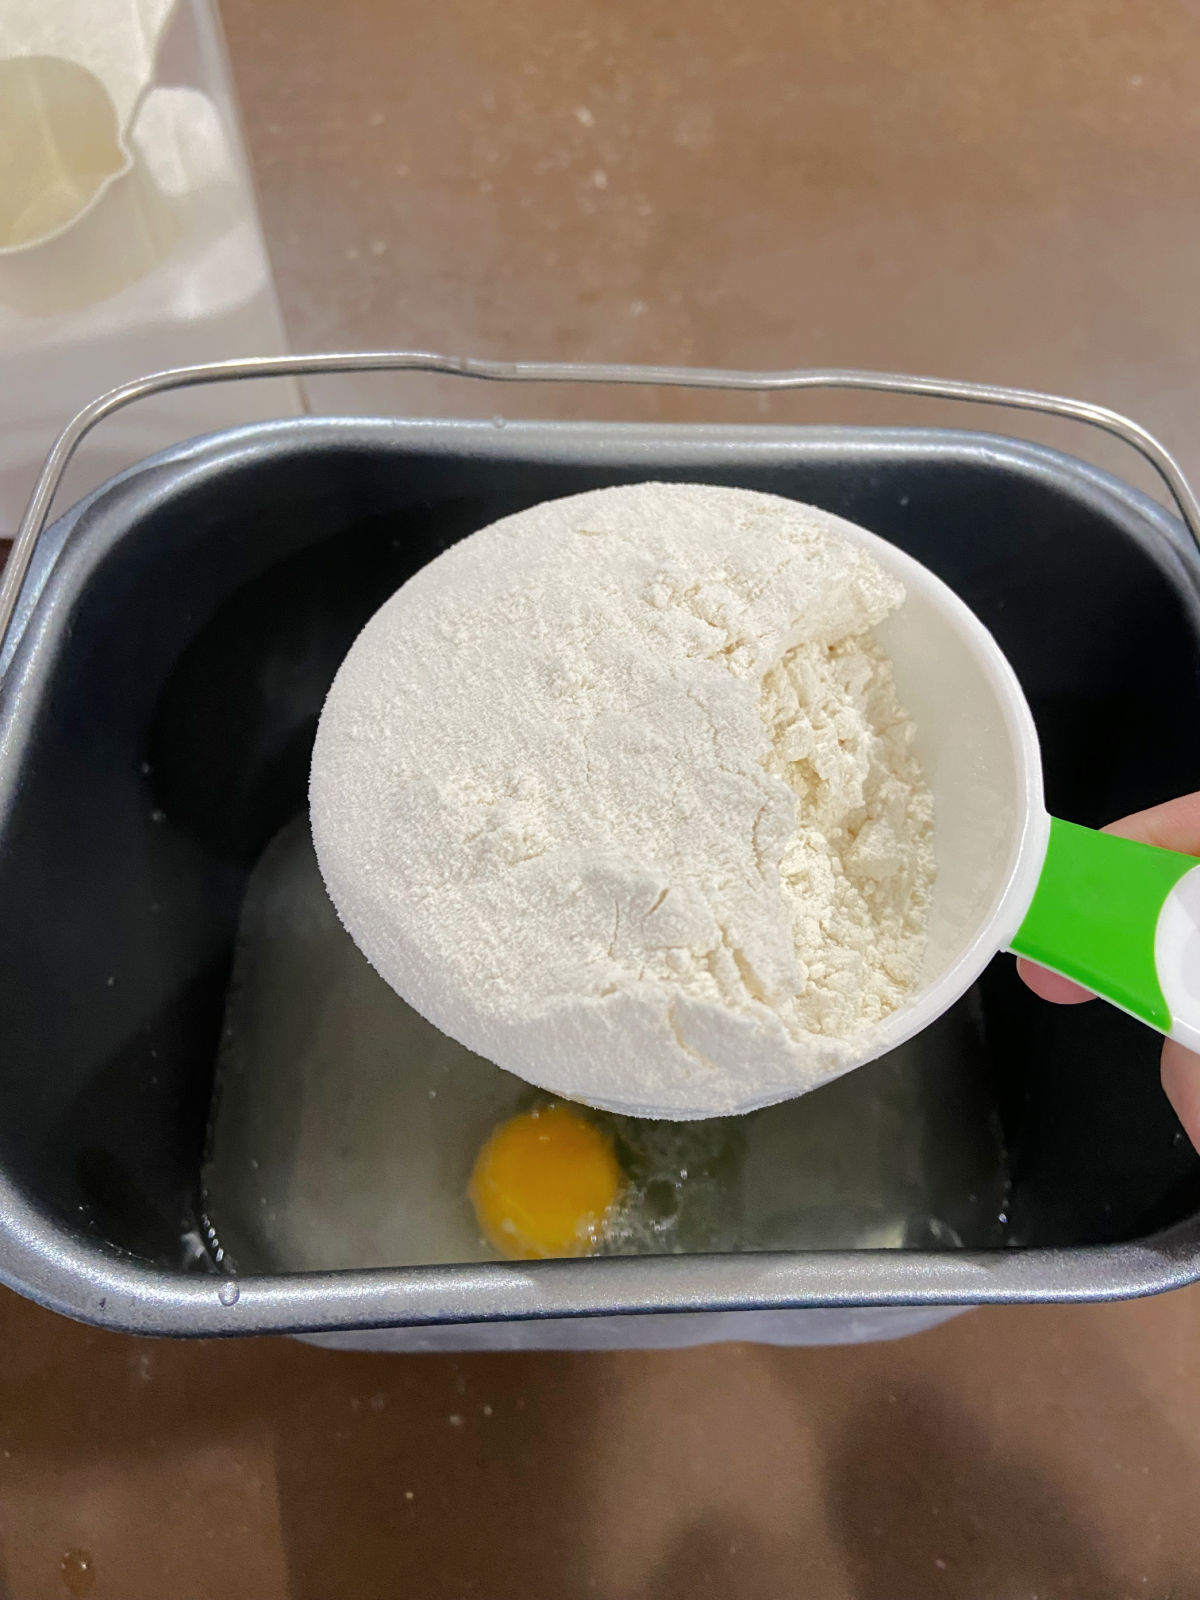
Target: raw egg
x=544 y=1184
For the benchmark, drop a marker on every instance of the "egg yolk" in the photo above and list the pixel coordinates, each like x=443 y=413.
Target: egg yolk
x=544 y=1183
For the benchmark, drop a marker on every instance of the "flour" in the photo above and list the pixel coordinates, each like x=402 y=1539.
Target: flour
x=618 y=793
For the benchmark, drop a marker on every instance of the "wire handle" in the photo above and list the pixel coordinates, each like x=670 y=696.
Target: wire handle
x=81 y=425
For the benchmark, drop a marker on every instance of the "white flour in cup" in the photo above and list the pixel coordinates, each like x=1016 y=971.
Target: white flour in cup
x=618 y=793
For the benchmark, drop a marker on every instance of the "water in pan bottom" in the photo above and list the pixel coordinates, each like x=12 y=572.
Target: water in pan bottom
x=345 y=1127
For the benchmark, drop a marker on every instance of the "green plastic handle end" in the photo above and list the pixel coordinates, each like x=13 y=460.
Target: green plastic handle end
x=1094 y=916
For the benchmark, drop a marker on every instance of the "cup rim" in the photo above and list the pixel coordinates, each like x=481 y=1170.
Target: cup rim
x=995 y=931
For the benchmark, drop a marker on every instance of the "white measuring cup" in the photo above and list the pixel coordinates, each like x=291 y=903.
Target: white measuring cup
x=1120 y=917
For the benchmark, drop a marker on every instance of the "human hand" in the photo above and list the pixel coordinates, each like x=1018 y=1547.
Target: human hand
x=1175 y=825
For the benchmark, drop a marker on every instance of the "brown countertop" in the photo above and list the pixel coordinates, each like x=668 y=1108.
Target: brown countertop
x=1004 y=192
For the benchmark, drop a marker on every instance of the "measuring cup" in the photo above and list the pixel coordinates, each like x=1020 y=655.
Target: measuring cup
x=1120 y=917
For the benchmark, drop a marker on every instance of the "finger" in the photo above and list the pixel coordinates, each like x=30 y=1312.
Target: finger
x=1051 y=985
x=1175 y=825
x=1181 y=1080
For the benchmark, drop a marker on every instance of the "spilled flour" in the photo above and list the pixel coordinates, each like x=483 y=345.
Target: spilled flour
x=618 y=793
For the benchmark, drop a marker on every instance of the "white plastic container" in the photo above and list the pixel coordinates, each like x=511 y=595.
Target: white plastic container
x=129 y=238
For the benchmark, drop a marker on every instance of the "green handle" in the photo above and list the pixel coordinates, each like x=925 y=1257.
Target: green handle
x=1094 y=916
